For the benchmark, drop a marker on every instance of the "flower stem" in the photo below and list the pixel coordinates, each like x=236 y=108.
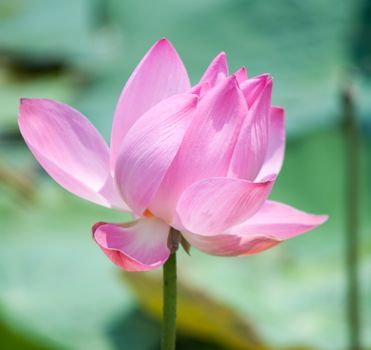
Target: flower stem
x=169 y=304
x=352 y=216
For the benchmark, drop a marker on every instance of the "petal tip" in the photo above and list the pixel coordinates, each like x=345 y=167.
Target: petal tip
x=280 y=111
x=322 y=219
x=222 y=55
x=25 y=102
x=268 y=179
x=164 y=44
x=231 y=82
x=163 y=41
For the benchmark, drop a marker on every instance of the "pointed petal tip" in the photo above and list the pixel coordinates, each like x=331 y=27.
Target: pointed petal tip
x=230 y=82
x=165 y=45
x=321 y=219
x=241 y=74
x=31 y=100
x=163 y=41
x=221 y=56
x=25 y=102
x=279 y=109
x=264 y=79
x=279 y=113
x=221 y=61
x=217 y=70
x=263 y=76
x=269 y=83
x=242 y=70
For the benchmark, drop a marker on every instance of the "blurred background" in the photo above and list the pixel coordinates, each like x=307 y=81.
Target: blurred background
x=57 y=289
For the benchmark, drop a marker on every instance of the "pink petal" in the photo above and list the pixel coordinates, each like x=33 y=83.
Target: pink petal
x=207 y=147
x=252 y=144
x=219 y=245
x=217 y=70
x=160 y=74
x=241 y=75
x=228 y=244
x=277 y=221
x=70 y=149
x=272 y=224
x=253 y=87
x=211 y=206
x=139 y=245
x=200 y=89
x=150 y=147
x=276 y=144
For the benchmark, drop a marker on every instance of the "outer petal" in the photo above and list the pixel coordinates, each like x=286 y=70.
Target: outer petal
x=159 y=75
x=217 y=70
x=228 y=244
x=276 y=144
x=207 y=147
x=278 y=221
x=219 y=245
x=150 y=147
x=252 y=144
x=253 y=87
x=70 y=149
x=139 y=245
x=213 y=205
x=272 y=224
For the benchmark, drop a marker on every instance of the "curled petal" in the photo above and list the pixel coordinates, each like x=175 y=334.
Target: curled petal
x=219 y=245
x=277 y=221
x=217 y=70
x=159 y=75
x=70 y=149
x=272 y=224
x=139 y=245
x=229 y=244
x=150 y=147
x=213 y=205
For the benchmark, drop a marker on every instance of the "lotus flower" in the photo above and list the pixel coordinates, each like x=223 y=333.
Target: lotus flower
x=201 y=160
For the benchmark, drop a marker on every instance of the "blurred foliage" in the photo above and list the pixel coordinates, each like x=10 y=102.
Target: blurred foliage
x=302 y=44
x=360 y=46
x=197 y=315
x=10 y=339
x=55 y=284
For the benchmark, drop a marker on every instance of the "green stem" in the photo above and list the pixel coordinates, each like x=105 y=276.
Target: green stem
x=352 y=210
x=169 y=304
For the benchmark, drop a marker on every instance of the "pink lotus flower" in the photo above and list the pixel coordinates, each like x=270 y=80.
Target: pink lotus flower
x=202 y=160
